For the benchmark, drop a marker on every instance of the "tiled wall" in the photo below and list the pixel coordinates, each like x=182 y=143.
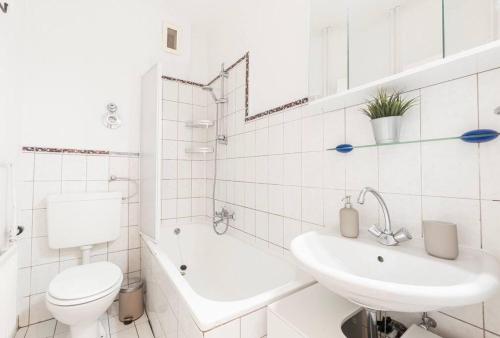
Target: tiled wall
x=183 y=174
x=40 y=174
x=186 y=182
x=278 y=178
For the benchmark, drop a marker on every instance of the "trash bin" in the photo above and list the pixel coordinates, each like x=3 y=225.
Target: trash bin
x=131 y=303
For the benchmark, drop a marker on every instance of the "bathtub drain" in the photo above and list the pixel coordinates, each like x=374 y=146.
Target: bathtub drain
x=183 y=269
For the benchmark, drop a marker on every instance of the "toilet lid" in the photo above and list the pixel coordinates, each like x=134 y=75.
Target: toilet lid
x=85 y=281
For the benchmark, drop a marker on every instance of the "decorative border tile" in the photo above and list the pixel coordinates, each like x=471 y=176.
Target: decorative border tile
x=285 y=106
x=77 y=151
x=165 y=77
x=245 y=58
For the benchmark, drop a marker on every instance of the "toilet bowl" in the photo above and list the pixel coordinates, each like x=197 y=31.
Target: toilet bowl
x=78 y=296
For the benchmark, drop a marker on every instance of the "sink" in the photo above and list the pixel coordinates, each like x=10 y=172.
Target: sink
x=401 y=278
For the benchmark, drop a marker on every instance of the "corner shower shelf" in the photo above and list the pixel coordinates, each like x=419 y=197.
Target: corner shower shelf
x=200 y=124
x=473 y=136
x=199 y=150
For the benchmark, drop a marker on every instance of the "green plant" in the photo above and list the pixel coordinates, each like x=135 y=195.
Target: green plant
x=385 y=105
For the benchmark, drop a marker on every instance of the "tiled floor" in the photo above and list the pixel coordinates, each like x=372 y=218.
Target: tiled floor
x=116 y=329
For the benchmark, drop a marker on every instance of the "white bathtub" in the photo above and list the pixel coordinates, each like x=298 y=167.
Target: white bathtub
x=226 y=279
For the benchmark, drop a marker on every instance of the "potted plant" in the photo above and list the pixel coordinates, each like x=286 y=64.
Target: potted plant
x=385 y=111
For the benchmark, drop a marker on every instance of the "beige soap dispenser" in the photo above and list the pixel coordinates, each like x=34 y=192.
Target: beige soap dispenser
x=349 y=219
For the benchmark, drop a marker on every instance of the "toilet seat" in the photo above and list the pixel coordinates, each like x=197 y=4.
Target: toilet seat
x=84 y=283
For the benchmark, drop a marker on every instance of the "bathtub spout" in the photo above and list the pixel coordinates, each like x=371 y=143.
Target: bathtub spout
x=220 y=217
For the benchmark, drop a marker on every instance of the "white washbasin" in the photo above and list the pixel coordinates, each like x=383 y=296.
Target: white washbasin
x=399 y=278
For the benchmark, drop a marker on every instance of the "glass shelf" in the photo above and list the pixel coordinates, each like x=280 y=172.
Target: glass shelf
x=200 y=124
x=199 y=150
x=474 y=136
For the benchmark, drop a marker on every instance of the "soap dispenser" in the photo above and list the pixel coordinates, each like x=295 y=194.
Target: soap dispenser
x=349 y=219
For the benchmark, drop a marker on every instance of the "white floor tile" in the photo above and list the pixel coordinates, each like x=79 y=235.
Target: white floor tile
x=144 y=330
x=116 y=326
x=128 y=333
x=42 y=330
x=21 y=332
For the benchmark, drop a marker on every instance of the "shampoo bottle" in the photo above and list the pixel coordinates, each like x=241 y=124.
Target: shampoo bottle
x=349 y=219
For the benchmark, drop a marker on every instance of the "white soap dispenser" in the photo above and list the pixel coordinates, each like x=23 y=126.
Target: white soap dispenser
x=349 y=219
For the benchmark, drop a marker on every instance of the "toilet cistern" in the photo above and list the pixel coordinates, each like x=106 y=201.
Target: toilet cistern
x=384 y=236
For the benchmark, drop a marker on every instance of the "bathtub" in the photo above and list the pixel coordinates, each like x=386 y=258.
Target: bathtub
x=198 y=282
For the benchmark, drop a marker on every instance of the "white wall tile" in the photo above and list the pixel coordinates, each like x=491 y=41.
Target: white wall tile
x=450 y=169
x=276 y=230
x=490 y=167
x=262 y=225
x=292 y=165
x=170 y=110
x=358 y=127
x=25 y=166
x=170 y=90
x=312 y=169
x=450 y=327
x=488 y=87
x=261 y=197
x=74 y=168
x=275 y=169
x=41 y=253
x=48 y=167
x=312 y=205
x=292 y=202
x=334 y=170
x=410 y=122
x=449 y=108
x=118 y=166
x=97 y=168
x=41 y=275
x=490 y=213
x=362 y=169
x=312 y=133
x=40 y=222
x=276 y=139
x=334 y=128
x=291 y=229
x=38 y=309
x=400 y=169
x=292 y=137
x=332 y=200
x=463 y=212
x=185 y=93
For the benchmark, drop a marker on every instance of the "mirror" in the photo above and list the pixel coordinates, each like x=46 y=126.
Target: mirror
x=354 y=42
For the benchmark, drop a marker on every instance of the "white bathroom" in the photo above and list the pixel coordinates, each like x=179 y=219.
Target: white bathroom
x=250 y=169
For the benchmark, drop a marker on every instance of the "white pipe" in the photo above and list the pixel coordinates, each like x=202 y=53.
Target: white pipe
x=86 y=253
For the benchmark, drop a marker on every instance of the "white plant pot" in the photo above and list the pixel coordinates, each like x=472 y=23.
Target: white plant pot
x=386 y=129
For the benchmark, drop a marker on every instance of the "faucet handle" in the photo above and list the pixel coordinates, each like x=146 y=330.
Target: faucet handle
x=375 y=230
x=402 y=235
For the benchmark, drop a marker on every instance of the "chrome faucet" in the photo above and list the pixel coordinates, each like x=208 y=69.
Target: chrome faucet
x=385 y=236
x=220 y=217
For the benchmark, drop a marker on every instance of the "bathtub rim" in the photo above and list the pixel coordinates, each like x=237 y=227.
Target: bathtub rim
x=202 y=309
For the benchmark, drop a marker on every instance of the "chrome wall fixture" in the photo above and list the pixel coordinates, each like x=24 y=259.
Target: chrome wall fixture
x=3 y=7
x=111 y=119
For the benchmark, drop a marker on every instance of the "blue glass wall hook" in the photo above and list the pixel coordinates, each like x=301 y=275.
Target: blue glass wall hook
x=479 y=136
x=344 y=148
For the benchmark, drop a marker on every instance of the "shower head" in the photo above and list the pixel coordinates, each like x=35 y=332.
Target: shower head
x=211 y=91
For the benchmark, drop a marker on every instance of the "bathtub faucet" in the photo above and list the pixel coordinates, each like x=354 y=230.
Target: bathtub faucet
x=221 y=216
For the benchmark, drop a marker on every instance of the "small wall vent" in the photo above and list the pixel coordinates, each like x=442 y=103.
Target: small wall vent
x=171 y=35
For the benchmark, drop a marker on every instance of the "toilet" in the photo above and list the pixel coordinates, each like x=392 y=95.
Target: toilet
x=79 y=295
